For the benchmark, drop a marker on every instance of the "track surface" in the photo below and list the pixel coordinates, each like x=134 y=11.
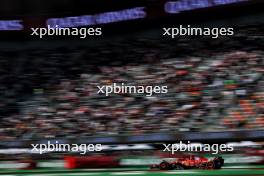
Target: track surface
x=250 y=171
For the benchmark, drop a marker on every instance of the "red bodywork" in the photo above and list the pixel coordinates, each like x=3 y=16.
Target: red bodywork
x=191 y=162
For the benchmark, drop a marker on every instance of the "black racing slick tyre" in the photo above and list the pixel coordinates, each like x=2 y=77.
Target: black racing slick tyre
x=164 y=165
x=218 y=162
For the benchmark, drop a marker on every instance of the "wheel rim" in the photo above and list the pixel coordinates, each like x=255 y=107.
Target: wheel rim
x=163 y=166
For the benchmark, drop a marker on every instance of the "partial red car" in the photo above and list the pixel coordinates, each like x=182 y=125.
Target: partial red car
x=192 y=162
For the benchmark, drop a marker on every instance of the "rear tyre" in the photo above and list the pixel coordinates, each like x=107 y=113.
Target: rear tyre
x=164 y=165
x=218 y=162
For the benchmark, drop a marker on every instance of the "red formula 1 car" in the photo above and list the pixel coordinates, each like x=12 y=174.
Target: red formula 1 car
x=192 y=162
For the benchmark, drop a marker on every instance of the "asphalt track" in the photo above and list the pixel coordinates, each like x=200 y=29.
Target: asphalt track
x=236 y=171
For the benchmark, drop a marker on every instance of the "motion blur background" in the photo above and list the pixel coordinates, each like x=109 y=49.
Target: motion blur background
x=48 y=87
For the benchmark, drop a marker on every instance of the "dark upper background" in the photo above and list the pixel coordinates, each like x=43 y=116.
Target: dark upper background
x=35 y=12
x=42 y=90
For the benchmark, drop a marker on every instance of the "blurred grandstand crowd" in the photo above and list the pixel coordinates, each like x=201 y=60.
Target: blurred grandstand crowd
x=213 y=85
